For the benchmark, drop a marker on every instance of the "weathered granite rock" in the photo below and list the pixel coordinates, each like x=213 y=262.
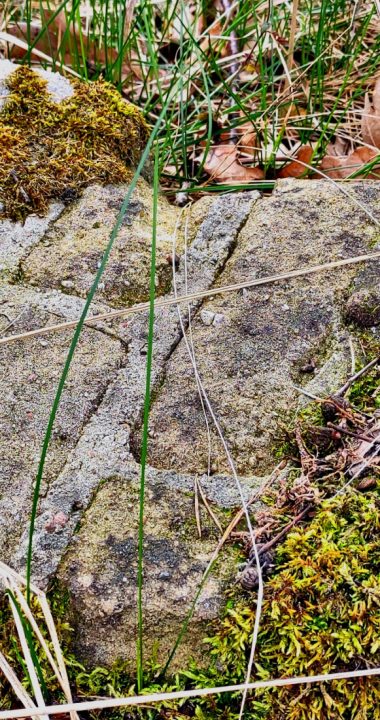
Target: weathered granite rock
x=102 y=453
x=17 y=238
x=28 y=379
x=100 y=569
x=70 y=253
x=250 y=348
x=251 y=359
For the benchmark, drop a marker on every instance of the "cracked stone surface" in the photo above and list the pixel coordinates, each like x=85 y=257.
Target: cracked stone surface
x=99 y=458
x=104 y=447
x=28 y=379
x=16 y=239
x=70 y=254
x=250 y=346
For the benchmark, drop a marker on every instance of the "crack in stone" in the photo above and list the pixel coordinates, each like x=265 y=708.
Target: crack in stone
x=195 y=309
x=103 y=449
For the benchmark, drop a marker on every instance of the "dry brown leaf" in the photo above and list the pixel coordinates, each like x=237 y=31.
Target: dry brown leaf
x=338 y=148
x=371 y=117
x=248 y=141
x=297 y=169
x=50 y=40
x=338 y=168
x=223 y=165
x=47 y=43
x=366 y=454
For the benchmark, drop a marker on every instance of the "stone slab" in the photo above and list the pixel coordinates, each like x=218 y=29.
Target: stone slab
x=251 y=346
x=29 y=376
x=69 y=256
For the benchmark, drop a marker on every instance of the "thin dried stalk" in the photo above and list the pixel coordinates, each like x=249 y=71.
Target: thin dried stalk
x=14 y=582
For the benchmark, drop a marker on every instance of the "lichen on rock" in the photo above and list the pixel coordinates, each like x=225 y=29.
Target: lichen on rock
x=52 y=150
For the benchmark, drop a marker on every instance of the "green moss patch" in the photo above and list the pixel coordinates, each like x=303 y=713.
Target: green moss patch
x=52 y=150
x=321 y=614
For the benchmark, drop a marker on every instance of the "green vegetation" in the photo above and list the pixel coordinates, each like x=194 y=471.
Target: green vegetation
x=322 y=605
x=269 y=75
x=364 y=392
x=52 y=150
x=321 y=614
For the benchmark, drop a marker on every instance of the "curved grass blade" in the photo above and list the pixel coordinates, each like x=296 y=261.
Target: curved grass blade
x=144 y=447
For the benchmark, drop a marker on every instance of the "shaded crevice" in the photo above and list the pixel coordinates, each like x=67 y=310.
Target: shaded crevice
x=196 y=307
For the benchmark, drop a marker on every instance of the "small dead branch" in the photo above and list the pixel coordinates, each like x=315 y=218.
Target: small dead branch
x=343 y=430
x=357 y=375
x=13 y=585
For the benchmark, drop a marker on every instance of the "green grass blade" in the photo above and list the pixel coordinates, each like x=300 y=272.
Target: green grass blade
x=29 y=639
x=144 y=448
x=73 y=346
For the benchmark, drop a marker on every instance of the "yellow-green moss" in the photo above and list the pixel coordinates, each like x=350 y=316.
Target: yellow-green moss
x=321 y=614
x=52 y=150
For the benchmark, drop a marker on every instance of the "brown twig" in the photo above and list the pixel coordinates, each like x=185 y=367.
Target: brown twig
x=352 y=434
x=347 y=385
x=285 y=530
x=190 y=297
x=208 y=506
x=196 y=508
x=331 y=400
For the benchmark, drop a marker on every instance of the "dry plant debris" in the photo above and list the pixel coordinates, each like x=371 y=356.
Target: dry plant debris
x=343 y=451
x=23 y=630
x=284 y=91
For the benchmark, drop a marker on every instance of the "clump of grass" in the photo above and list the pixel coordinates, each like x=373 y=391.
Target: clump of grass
x=267 y=77
x=52 y=150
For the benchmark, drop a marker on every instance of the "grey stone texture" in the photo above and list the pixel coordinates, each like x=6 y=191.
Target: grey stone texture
x=251 y=359
x=250 y=346
x=72 y=249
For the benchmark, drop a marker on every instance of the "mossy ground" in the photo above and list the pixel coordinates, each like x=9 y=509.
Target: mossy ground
x=321 y=614
x=52 y=150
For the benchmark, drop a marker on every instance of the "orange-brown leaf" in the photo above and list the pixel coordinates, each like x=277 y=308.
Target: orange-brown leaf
x=341 y=167
x=371 y=118
x=296 y=168
x=223 y=165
